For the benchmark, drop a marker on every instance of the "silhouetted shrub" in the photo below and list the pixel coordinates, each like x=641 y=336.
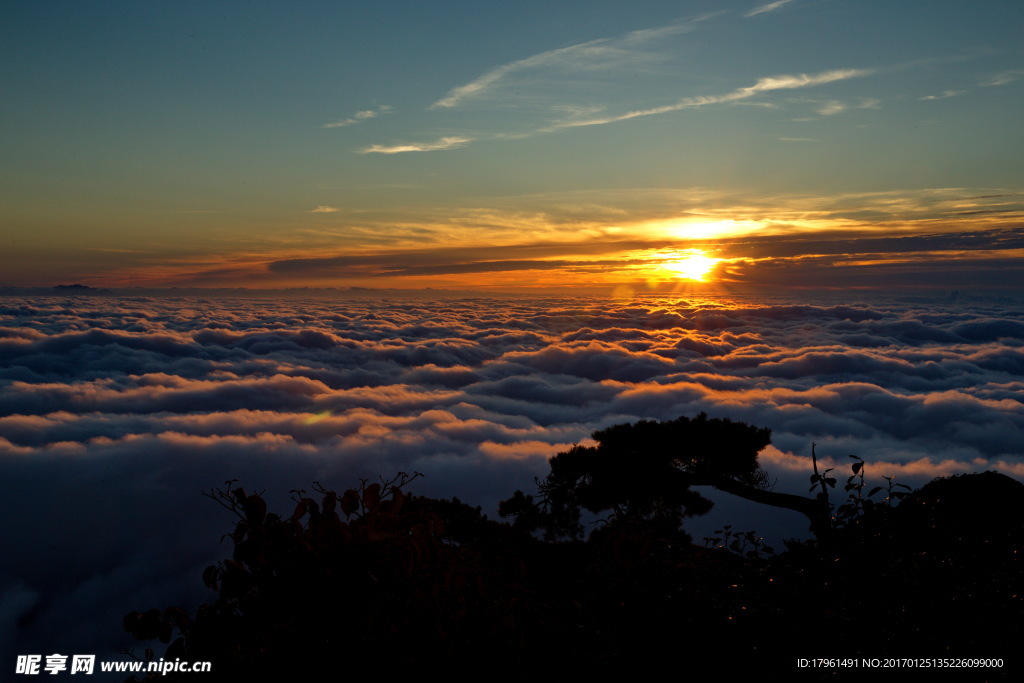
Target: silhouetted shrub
x=353 y=581
x=376 y=580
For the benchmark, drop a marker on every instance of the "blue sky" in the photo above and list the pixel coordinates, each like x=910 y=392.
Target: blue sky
x=203 y=143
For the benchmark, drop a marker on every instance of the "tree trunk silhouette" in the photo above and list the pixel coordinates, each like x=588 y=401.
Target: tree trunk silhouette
x=814 y=509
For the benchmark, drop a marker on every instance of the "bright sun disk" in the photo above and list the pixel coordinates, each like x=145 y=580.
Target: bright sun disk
x=696 y=266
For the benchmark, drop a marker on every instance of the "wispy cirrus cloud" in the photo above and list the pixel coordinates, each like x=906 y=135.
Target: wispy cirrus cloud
x=360 y=116
x=944 y=94
x=324 y=209
x=450 y=142
x=615 y=53
x=763 y=85
x=770 y=7
x=1004 y=77
x=551 y=78
x=832 y=107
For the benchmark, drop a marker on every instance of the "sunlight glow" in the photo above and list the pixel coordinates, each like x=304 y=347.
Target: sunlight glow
x=699 y=230
x=692 y=264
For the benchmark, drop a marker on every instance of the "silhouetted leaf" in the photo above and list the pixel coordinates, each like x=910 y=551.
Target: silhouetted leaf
x=350 y=502
x=210 y=576
x=371 y=496
x=255 y=509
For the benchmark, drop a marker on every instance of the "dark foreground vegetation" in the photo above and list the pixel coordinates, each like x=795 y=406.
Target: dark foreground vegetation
x=376 y=581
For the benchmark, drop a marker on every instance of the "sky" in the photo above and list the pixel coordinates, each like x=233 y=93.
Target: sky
x=789 y=213
x=725 y=146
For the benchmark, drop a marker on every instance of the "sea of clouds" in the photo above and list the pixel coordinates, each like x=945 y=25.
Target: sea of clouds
x=116 y=413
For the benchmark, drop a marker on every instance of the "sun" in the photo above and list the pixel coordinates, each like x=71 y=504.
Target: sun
x=692 y=264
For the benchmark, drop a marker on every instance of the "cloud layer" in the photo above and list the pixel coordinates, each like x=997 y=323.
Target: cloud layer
x=115 y=413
